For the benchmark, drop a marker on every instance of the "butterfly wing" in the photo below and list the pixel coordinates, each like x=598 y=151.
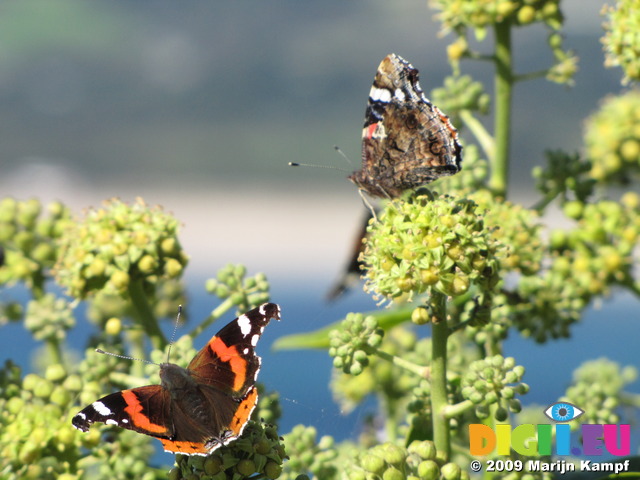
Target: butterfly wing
x=143 y=410
x=406 y=140
x=229 y=362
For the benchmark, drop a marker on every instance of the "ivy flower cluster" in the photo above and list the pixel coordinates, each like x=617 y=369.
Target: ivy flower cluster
x=429 y=245
x=612 y=139
x=391 y=462
x=351 y=345
x=28 y=236
x=621 y=40
x=494 y=380
x=245 y=292
x=258 y=454
x=117 y=245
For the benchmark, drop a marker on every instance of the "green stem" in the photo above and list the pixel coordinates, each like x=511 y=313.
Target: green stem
x=53 y=347
x=144 y=314
x=217 y=312
x=482 y=135
x=419 y=370
x=37 y=287
x=531 y=75
x=451 y=411
x=440 y=335
x=541 y=204
x=503 y=86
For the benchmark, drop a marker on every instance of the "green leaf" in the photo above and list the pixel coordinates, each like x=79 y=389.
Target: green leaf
x=319 y=339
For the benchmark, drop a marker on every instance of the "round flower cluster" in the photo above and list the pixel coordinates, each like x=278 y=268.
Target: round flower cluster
x=564 y=176
x=430 y=245
x=28 y=239
x=482 y=14
x=391 y=462
x=245 y=292
x=308 y=455
x=517 y=228
x=598 y=388
x=461 y=93
x=382 y=377
x=118 y=245
x=352 y=343
x=96 y=371
x=258 y=454
x=49 y=318
x=37 y=441
x=612 y=138
x=494 y=380
x=621 y=41
x=594 y=256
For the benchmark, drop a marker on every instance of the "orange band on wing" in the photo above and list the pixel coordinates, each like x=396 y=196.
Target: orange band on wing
x=232 y=357
x=139 y=419
x=188 y=448
x=241 y=417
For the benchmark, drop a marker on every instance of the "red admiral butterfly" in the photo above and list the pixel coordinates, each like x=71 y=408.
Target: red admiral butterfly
x=406 y=141
x=196 y=409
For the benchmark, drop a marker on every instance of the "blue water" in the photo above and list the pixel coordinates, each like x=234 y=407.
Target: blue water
x=302 y=377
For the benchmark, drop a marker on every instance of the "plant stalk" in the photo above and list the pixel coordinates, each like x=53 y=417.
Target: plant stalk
x=144 y=314
x=503 y=93
x=440 y=335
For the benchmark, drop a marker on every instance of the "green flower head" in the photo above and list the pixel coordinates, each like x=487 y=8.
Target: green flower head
x=428 y=245
x=118 y=244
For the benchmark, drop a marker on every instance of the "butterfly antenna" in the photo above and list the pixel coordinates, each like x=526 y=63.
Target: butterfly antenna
x=126 y=357
x=342 y=154
x=175 y=329
x=330 y=167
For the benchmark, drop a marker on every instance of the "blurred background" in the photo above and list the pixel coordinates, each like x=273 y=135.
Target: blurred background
x=199 y=106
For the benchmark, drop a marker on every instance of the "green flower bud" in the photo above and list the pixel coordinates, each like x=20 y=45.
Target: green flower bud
x=450 y=471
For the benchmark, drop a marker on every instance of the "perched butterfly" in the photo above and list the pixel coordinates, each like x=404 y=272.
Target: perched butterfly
x=196 y=409
x=406 y=140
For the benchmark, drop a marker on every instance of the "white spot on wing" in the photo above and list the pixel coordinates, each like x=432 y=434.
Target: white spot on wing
x=380 y=95
x=245 y=351
x=399 y=94
x=101 y=408
x=254 y=340
x=245 y=325
x=111 y=421
x=124 y=420
x=82 y=416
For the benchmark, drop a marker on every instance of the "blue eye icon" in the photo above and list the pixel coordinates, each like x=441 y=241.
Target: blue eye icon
x=563 y=412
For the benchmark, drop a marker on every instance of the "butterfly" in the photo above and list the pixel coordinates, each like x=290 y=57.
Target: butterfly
x=197 y=409
x=406 y=140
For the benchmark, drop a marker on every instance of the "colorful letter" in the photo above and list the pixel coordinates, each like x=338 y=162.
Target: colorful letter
x=544 y=439
x=482 y=440
x=523 y=439
x=563 y=439
x=611 y=439
x=591 y=439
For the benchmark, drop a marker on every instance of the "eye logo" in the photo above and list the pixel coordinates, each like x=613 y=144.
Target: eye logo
x=563 y=412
